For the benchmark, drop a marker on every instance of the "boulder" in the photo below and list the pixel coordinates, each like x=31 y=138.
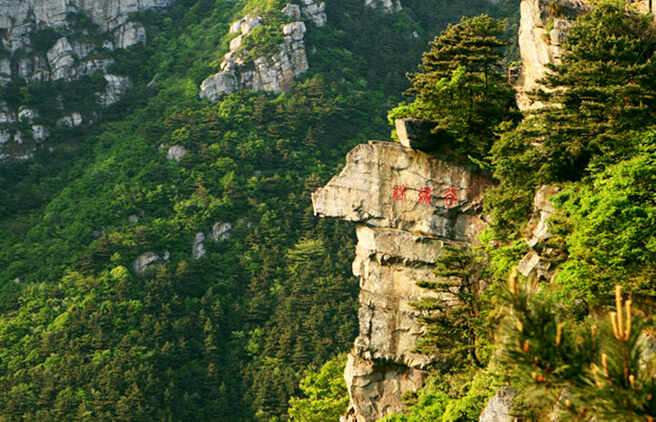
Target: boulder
x=417 y=134
x=144 y=261
x=176 y=152
x=499 y=408
x=116 y=87
x=221 y=231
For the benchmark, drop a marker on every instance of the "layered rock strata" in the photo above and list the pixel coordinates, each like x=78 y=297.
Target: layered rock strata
x=407 y=204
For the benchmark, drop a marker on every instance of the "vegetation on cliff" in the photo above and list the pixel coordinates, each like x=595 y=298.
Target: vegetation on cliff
x=84 y=335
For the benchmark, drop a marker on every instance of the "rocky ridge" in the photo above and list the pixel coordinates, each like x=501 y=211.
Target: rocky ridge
x=407 y=204
x=275 y=72
x=42 y=43
x=67 y=58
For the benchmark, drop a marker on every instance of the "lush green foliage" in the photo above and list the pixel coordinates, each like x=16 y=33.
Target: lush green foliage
x=326 y=396
x=457 y=324
x=227 y=336
x=461 y=86
x=602 y=368
x=596 y=101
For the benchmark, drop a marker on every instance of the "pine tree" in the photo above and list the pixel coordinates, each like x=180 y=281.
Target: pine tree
x=456 y=323
x=594 y=369
x=461 y=86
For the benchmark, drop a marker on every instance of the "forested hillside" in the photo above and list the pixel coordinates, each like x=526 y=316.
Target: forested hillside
x=140 y=286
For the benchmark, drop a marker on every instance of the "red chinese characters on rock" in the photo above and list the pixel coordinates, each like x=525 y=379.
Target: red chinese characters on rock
x=425 y=195
x=399 y=192
x=450 y=197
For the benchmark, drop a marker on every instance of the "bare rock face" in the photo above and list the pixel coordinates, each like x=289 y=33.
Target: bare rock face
x=499 y=408
x=406 y=205
x=534 y=264
x=388 y=6
x=275 y=73
x=418 y=134
x=541 y=33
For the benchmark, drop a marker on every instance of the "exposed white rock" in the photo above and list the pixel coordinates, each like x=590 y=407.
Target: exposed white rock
x=221 y=231
x=315 y=12
x=293 y=11
x=543 y=209
x=236 y=25
x=27 y=114
x=251 y=24
x=5 y=71
x=533 y=264
x=60 y=59
x=72 y=120
x=176 y=152
x=499 y=408
x=388 y=6
x=6 y=115
x=133 y=218
x=537 y=48
x=5 y=136
x=275 y=73
x=219 y=84
x=40 y=132
x=129 y=34
x=369 y=384
x=116 y=86
x=198 y=248
x=144 y=261
x=401 y=231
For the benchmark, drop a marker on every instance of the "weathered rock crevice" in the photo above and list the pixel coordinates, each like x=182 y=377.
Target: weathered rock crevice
x=407 y=204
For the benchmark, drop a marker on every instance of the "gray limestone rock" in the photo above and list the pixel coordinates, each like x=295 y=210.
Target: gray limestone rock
x=198 y=248
x=293 y=11
x=315 y=12
x=176 y=152
x=415 y=133
x=499 y=407
x=251 y=24
x=221 y=231
x=219 y=84
x=116 y=86
x=129 y=34
x=537 y=48
x=401 y=231
x=376 y=388
x=144 y=261
x=388 y=6
x=274 y=73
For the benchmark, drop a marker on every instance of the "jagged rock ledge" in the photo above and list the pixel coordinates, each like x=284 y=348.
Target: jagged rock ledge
x=407 y=204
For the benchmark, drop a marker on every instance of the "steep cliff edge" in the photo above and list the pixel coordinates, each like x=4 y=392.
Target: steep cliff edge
x=406 y=205
x=542 y=31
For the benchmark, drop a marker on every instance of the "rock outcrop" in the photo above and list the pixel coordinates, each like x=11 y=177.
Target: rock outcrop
x=499 y=408
x=542 y=31
x=274 y=73
x=407 y=204
x=20 y=19
x=388 y=6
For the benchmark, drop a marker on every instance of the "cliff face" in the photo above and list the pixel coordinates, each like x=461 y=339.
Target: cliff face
x=39 y=42
x=20 y=21
x=542 y=31
x=407 y=205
